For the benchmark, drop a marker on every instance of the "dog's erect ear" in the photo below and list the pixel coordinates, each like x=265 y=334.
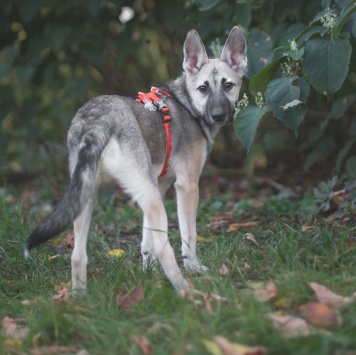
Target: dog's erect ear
x=234 y=52
x=194 y=52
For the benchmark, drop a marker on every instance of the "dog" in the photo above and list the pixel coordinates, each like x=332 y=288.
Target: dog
x=124 y=140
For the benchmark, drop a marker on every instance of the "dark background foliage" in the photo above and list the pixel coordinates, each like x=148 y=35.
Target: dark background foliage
x=55 y=55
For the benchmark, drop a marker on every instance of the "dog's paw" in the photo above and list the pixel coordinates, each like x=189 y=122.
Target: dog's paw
x=195 y=267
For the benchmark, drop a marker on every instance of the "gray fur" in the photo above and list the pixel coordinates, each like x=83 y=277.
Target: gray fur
x=113 y=137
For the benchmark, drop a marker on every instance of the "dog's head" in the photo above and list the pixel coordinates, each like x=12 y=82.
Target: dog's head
x=214 y=84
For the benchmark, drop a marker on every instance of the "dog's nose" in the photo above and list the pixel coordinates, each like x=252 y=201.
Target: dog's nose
x=218 y=115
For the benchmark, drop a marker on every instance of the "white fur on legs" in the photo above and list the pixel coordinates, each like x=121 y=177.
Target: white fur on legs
x=147 y=244
x=156 y=218
x=187 y=204
x=79 y=255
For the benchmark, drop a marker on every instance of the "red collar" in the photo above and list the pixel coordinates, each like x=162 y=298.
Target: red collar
x=154 y=103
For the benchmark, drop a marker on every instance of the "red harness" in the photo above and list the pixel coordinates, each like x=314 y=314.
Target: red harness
x=153 y=103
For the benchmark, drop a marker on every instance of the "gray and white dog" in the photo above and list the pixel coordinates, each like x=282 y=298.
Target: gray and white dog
x=116 y=138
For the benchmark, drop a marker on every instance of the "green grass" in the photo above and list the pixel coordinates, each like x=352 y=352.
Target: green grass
x=287 y=256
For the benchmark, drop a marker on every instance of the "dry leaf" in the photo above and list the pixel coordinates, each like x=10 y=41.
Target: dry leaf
x=11 y=328
x=130 y=300
x=235 y=226
x=247 y=267
x=206 y=297
x=306 y=228
x=62 y=295
x=251 y=237
x=267 y=293
x=143 y=344
x=289 y=326
x=223 y=270
x=326 y=296
x=229 y=348
x=118 y=253
x=318 y=313
x=68 y=240
x=52 y=257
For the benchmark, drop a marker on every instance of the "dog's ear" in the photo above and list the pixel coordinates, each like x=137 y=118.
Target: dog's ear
x=194 y=52
x=234 y=52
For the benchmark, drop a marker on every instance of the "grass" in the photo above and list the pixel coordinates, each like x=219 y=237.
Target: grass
x=288 y=256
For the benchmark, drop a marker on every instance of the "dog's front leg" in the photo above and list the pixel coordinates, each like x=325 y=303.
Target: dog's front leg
x=187 y=204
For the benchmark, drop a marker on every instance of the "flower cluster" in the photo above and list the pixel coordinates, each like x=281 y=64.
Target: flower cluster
x=260 y=102
x=328 y=20
x=241 y=104
x=216 y=48
x=287 y=69
x=293 y=45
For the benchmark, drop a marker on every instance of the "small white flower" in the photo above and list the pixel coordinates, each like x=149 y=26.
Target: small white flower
x=329 y=19
x=241 y=104
x=260 y=102
x=293 y=45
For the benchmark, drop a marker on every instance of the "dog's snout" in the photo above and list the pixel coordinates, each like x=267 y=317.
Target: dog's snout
x=217 y=114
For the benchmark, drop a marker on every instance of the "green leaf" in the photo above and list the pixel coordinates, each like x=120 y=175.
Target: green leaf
x=351 y=165
x=345 y=14
x=246 y=123
x=283 y=91
x=259 y=51
x=296 y=55
x=260 y=81
x=205 y=5
x=326 y=63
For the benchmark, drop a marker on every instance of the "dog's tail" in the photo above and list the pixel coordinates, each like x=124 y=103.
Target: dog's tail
x=81 y=188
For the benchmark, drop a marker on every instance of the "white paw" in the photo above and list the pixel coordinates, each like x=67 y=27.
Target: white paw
x=195 y=267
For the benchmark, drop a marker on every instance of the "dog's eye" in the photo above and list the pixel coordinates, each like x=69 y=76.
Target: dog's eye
x=228 y=86
x=203 y=88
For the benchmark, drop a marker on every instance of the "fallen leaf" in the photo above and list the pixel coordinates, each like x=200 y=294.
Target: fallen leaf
x=223 y=270
x=68 y=240
x=318 y=313
x=62 y=295
x=235 y=226
x=251 y=237
x=207 y=299
x=328 y=297
x=291 y=327
x=12 y=329
x=118 y=253
x=229 y=348
x=57 y=241
x=350 y=243
x=212 y=347
x=247 y=267
x=61 y=285
x=267 y=293
x=144 y=345
x=130 y=300
x=306 y=228
x=338 y=196
x=52 y=257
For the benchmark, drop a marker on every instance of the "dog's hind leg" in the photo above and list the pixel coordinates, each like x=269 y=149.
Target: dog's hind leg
x=79 y=255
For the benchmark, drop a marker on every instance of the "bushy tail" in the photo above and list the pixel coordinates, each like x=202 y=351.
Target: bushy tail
x=81 y=188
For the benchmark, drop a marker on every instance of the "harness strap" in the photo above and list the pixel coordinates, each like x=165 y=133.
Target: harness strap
x=154 y=103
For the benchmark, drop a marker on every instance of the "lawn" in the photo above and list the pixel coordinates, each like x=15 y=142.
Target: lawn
x=261 y=262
